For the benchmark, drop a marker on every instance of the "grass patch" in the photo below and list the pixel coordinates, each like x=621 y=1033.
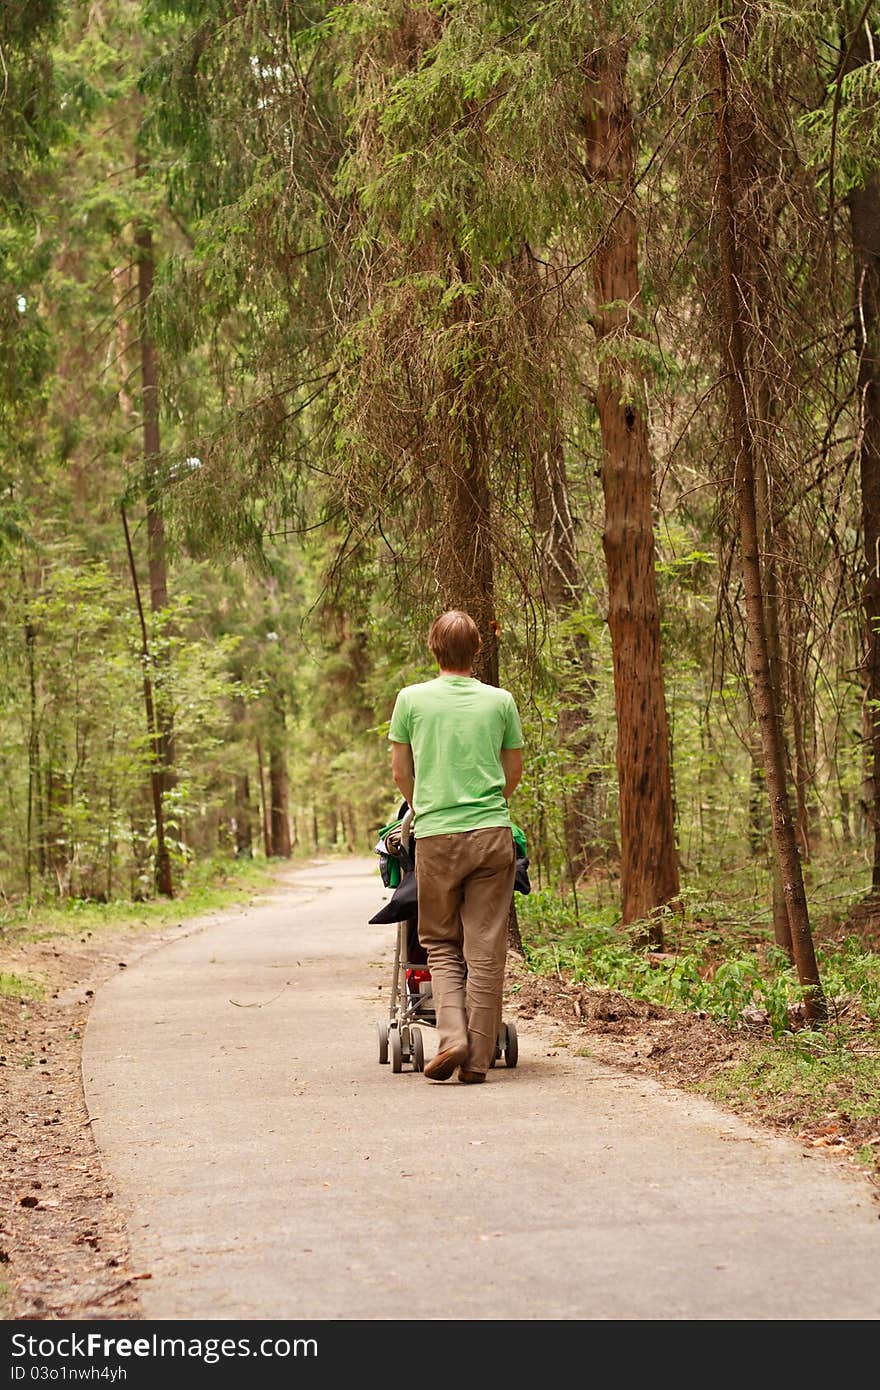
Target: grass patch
x=808 y=1080
x=709 y=965
x=20 y=986
x=816 y=1082
x=209 y=886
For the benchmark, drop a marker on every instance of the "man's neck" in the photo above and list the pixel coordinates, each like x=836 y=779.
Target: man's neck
x=446 y=672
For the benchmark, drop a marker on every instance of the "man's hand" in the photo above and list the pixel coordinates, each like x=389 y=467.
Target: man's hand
x=403 y=770
x=512 y=763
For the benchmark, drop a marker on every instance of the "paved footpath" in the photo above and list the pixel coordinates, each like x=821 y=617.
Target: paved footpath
x=270 y=1168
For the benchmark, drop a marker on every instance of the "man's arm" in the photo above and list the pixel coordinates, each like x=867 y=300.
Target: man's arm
x=403 y=770
x=512 y=763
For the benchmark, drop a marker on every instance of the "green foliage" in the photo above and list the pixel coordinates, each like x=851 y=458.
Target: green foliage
x=77 y=753
x=468 y=100
x=374 y=228
x=851 y=975
x=213 y=883
x=27 y=100
x=803 y=1077
x=849 y=120
x=710 y=973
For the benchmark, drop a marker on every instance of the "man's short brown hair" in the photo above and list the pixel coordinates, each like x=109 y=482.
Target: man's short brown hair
x=454 y=640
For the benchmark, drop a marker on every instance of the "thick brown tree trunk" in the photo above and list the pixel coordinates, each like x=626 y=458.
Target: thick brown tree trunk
x=349 y=823
x=466 y=557
x=279 y=804
x=265 y=823
x=864 y=213
x=733 y=296
x=466 y=571
x=648 y=855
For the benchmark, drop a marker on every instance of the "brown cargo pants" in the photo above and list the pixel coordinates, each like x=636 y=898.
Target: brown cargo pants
x=465 y=885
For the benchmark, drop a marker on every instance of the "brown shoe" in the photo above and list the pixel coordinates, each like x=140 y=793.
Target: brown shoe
x=471 y=1078
x=441 y=1067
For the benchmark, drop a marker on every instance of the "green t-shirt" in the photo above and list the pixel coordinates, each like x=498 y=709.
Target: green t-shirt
x=456 y=727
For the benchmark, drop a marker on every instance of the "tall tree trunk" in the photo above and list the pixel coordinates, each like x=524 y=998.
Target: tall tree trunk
x=33 y=790
x=768 y=534
x=243 y=813
x=156 y=550
x=279 y=791
x=801 y=715
x=793 y=692
x=265 y=821
x=279 y=813
x=864 y=213
x=244 y=844
x=648 y=855
x=150 y=418
x=111 y=843
x=734 y=295
x=466 y=570
x=58 y=858
x=163 y=878
x=757 y=831
x=467 y=575
x=465 y=566
x=466 y=557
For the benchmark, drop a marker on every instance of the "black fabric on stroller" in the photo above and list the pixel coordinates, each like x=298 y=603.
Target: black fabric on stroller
x=403 y=905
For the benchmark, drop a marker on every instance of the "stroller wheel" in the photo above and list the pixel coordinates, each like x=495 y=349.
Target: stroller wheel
x=416 y=1049
x=511 y=1046
x=396 y=1049
x=382 y=1030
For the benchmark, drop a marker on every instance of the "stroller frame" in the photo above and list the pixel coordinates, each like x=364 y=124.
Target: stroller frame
x=400 y=1037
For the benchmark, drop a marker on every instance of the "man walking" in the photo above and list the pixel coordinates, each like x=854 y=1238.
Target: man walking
x=457 y=759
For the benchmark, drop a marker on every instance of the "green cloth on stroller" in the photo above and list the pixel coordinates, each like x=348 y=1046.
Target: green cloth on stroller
x=389 y=864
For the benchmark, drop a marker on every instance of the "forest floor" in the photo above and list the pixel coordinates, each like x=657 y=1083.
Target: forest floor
x=63 y=1244
x=64 y=1250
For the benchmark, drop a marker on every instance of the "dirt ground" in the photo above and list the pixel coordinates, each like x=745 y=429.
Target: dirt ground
x=63 y=1245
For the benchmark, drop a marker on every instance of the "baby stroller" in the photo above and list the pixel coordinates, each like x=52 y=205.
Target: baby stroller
x=411 y=1002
